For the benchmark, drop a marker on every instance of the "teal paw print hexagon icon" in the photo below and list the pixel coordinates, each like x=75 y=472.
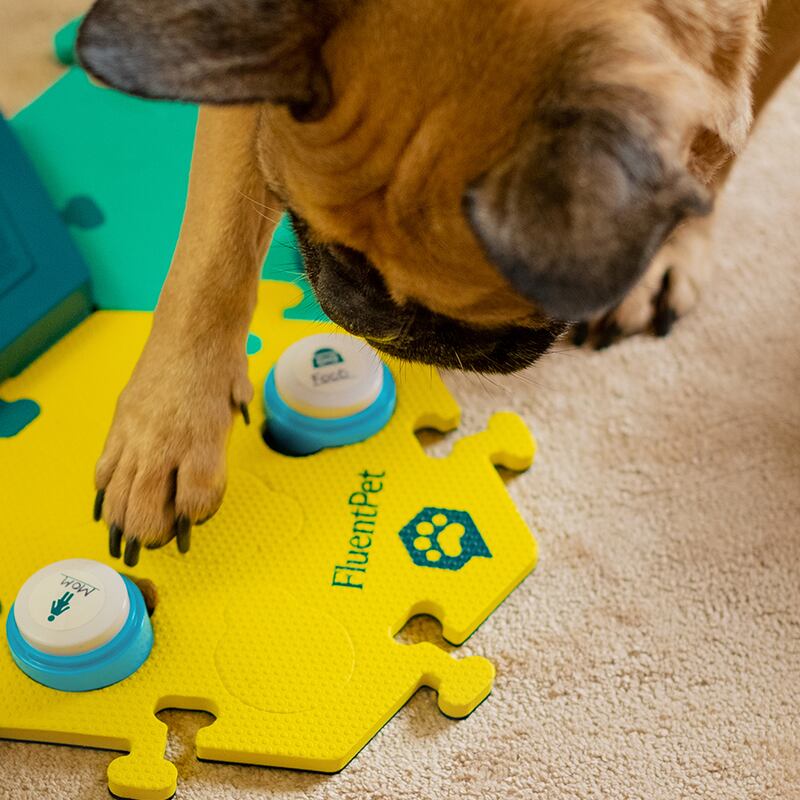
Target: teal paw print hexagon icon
x=444 y=539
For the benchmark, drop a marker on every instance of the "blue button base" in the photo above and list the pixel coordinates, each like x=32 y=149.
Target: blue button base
x=111 y=663
x=296 y=434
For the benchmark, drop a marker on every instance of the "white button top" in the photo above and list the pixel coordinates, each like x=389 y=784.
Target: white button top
x=71 y=607
x=329 y=376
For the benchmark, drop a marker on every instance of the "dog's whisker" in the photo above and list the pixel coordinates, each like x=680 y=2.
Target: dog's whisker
x=527 y=379
x=288 y=246
x=492 y=382
x=483 y=385
x=266 y=217
x=259 y=203
x=567 y=351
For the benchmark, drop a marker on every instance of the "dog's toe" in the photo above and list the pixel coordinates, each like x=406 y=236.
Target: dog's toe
x=669 y=289
x=606 y=333
x=157 y=505
x=162 y=484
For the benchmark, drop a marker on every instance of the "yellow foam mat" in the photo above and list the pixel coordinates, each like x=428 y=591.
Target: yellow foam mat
x=280 y=621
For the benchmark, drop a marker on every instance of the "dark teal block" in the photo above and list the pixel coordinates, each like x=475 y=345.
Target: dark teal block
x=44 y=283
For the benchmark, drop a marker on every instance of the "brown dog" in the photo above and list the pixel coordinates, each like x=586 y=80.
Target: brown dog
x=464 y=179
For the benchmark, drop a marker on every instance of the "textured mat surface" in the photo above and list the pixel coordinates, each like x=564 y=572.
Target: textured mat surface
x=281 y=619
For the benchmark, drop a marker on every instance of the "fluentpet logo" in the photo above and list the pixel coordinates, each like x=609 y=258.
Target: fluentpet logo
x=444 y=539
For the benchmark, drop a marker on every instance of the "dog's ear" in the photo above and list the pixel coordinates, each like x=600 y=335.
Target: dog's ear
x=574 y=215
x=213 y=51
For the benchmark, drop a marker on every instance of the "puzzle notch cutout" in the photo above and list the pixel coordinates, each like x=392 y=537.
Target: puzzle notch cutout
x=280 y=621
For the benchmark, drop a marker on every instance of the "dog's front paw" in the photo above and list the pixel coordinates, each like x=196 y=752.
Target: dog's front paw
x=670 y=288
x=163 y=466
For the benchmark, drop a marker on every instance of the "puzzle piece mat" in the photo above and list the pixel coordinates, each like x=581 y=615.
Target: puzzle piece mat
x=280 y=621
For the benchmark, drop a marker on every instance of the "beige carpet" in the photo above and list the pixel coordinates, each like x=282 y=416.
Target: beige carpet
x=655 y=653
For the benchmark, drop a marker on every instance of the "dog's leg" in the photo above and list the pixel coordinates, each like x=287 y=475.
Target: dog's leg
x=683 y=268
x=163 y=466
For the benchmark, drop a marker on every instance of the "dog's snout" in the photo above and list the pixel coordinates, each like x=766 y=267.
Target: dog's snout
x=353 y=294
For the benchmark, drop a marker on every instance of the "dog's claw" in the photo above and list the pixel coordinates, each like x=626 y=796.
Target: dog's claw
x=607 y=335
x=115 y=541
x=665 y=316
x=245 y=413
x=97 y=512
x=184 y=534
x=580 y=333
x=132 y=549
x=664 y=321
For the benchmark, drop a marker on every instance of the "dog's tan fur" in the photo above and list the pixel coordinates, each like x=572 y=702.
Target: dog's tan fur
x=379 y=177
x=421 y=110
